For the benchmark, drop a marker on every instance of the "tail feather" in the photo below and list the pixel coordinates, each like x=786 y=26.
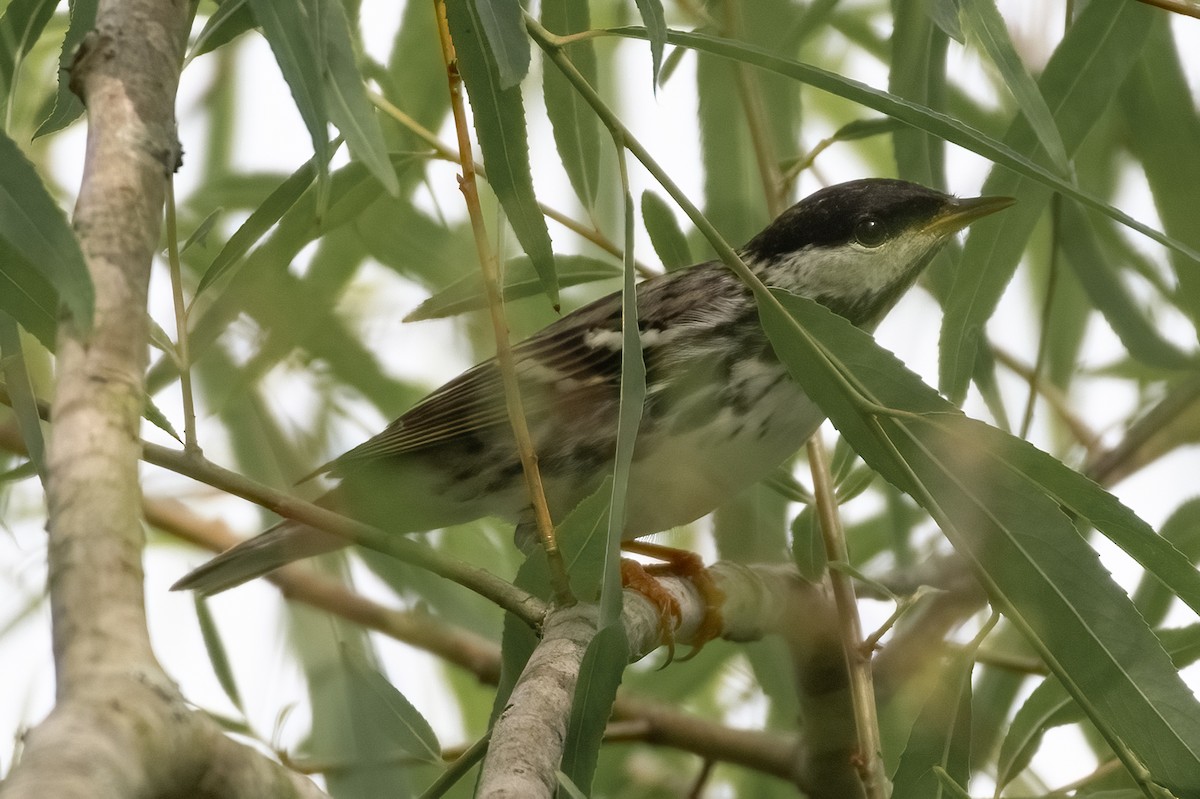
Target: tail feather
x=285 y=542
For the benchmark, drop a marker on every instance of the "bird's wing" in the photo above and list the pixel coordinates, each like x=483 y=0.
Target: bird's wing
x=577 y=354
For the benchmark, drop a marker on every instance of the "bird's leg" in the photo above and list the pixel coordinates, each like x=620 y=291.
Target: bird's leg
x=677 y=563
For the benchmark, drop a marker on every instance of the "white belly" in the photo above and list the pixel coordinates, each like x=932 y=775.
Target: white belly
x=683 y=477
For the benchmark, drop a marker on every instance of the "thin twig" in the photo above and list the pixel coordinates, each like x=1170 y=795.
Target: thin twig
x=504 y=356
x=447 y=153
x=191 y=445
x=858 y=661
x=1053 y=397
x=1175 y=7
x=1047 y=309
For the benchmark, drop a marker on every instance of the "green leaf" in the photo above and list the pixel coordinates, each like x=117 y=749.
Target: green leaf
x=983 y=24
x=21 y=394
x=346 y=99
x=940 y=737
x=296 y=35
x=153 y=414
x=520 y=280
x=950 y=787
x=599 y=677
x=576 y=129
x=262 y=219
x=998 y=500
x=632 y=401
x=934 y=122
x=1182 y=530
x=1159 y=110
x=918 y=74
x=1100 y=280
x=499 y=116
x=199 y=236
x=20 y=26
x=67 y=106
x=808 y=548
x=503 y=23
x=1078 y=83
x=34 y=227
x=388 y=712
x=27 y=296
x=231 y=20
x=217 y=654
x=656 y=33
x=665 y=234
x=1050 y=706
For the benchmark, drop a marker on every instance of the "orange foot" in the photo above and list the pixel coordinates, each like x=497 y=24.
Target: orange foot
x=677 y=563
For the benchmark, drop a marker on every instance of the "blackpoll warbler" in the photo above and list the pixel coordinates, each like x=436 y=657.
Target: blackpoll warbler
x=721 y=411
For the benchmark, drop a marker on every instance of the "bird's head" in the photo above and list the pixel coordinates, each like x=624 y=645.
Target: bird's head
x=856 y=247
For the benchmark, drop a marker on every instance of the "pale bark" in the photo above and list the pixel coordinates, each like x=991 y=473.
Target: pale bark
x=120 y=728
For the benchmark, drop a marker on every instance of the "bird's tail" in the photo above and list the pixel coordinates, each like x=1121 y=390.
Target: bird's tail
x=275 y=547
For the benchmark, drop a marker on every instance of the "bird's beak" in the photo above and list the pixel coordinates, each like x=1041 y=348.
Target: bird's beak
x=957 y=214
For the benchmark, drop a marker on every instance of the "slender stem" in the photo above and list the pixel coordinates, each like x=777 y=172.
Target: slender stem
x=858 y=661
x=191 y=445
x=1053 y=397
x=750 y=95
x=445 y=152
x=504 y=356
x=1047 y=318
x=1176 y=7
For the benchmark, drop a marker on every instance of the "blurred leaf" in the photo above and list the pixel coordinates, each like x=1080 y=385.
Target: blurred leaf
x=1182 y=529
x=297 y=38
x=67 y=106
x=631 y=405
x=200 y=234
x=20 y=392
x=520 y=280
x=156 y=417
x=944 y=126
x=599 y=677
x=918 y=73
x=1110 y=296
x=1159 y=109
x=21 y=24
x=665 y=234
x=944 y=14
x=987 y=28
x=32 y=224
x=1050 y=706
x=503 y=24
x=231 y=19
x=391 y=716
x=997 y=499
x=571 y=789
x=581 y=538
x=262 y=219
x=950 y=787
x=1078 y=83
x=656 y=33
x=217 y=655
x=1044 y=708
x=27 y=296
x=808 y=548
x=576 y=129
x=499 y=116
x=346 y=99
x=941 y=735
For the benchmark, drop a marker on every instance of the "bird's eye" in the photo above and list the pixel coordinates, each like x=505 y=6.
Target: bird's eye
x=869 y=232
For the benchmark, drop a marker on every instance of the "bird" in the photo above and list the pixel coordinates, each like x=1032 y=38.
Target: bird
x=721 y=411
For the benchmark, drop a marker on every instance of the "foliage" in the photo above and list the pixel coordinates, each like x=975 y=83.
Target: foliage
x=1076 y=313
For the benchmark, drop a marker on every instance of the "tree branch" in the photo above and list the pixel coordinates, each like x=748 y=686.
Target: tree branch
x=120 y=727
